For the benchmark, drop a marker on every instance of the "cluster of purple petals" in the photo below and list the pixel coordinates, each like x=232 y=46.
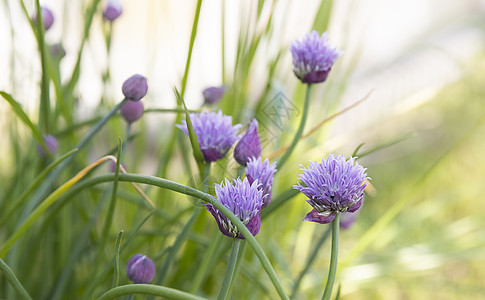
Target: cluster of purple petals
x=263 y=172
x=313 y=57
x=249 y=146
x=244 y=200
x=140 y=269
x=215 y=133
x=335 y=185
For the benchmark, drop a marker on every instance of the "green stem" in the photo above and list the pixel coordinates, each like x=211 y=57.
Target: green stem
x=333 y=258
x=44 y=91
x=309 y=262
x=147 y=289
x=186 y=190
x=116 y=277
x=206 y=263
x=231 y=266
x=191 y=47
x=10 y=276
x=223 y=44
x=298 y=134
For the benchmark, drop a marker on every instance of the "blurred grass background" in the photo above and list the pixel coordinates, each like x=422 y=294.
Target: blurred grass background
x=423 y=62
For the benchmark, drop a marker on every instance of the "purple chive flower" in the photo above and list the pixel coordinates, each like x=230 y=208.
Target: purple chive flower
x=213 y=94
x=51 y=143
x=333 y=186
x=131 y=110
x=140 y=269
x=242 y=198
x=112 y=10
x=47 y=18
x=215 y=133
x=249 y=145
x=313 y=57
x=263 y=172
x=135 y=87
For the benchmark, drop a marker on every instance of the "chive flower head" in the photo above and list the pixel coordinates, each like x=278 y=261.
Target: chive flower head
x=335 y=185
x=243 y=199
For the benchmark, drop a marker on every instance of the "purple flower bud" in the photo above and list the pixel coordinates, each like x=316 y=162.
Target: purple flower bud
x=47 y=18
x=244 y=200
x=215 y=133
x=213 y=94
x=131 y=110
x=263 y=172
x=249 y=145
x=58 y=51
x=313 y=57
x=51 y=143
x=347 y=219
x=333 y=186
x=140 y=269
x=112 y=10
x=135 y=87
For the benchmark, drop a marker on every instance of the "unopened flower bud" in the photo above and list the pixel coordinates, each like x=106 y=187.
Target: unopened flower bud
x=131 y=110
x=213 y=94
x=51 y=143
x=135 y=87
x=112 y=10
x=47 y=18
x=140 y=269
x=249 y=145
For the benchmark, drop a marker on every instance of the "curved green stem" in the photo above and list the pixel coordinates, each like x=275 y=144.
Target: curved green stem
x=147 y=289
x=333 y=258
x=298 y=134
x=231 y=266
x=10 y=276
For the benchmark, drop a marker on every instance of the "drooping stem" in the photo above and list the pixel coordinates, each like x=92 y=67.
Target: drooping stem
x=332 y=271
x=231 y=266
x=298 y=134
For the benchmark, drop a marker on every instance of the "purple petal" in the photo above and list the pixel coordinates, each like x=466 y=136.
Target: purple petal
x=314 y=216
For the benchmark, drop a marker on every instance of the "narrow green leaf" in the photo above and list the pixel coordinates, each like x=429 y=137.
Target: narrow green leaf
x=12 y=279
x=322 y=18
x=199 y=158
x=17 y=108
x=116 y=277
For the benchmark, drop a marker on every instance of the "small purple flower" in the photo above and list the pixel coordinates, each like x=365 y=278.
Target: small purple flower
x=333 y=186
x=215 y=133
x=47 y=18
x=263 y=172
x=51 y=143
x=249 y=145
x=131 y=110
x=135 y=87
x=112 y=10
x=213 y=94
x=140 y=269
x=242 y=198
x=313 y=57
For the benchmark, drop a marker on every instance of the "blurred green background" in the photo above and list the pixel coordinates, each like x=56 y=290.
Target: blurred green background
x=420 y=234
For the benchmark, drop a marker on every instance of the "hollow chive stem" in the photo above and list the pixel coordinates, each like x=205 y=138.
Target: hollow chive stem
x=333 y=258
x=299 y=133
x=231 y=266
